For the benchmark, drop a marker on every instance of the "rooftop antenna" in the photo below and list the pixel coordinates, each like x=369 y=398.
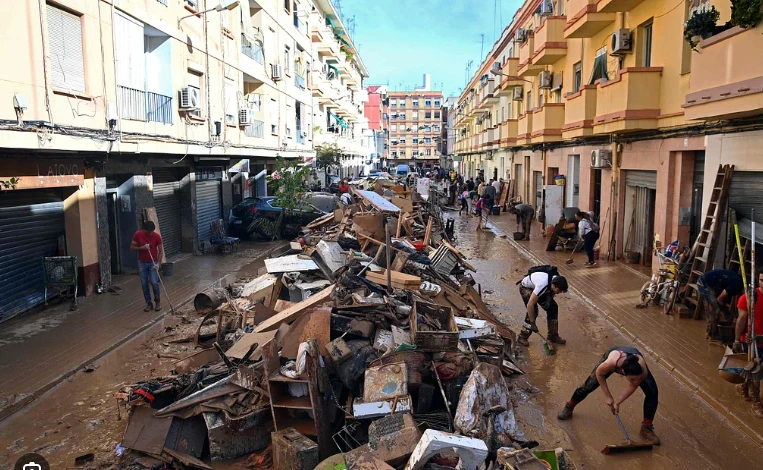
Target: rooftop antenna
x=482 y=46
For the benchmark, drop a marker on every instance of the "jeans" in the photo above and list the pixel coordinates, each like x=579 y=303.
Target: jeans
x=526 y=220
x=589 y=241
x=149 y=274
x=648 y=386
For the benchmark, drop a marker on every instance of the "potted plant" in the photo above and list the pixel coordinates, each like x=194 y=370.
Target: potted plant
x=745 y=13
x=700 y=25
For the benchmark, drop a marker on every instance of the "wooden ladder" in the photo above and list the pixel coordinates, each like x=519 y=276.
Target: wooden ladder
x=707 y=240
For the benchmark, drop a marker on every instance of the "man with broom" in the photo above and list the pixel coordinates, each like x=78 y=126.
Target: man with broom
x=538 y=287
x=629 y=363
x=750 y=388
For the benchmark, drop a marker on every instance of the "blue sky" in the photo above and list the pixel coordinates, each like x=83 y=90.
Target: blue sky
x=400 y=40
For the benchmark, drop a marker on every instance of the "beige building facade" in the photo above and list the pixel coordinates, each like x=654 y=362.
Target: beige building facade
x=115 y=108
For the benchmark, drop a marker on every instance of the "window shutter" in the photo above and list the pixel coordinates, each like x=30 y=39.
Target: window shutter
x=129 y=45
x=231 y=101
x=65 y=44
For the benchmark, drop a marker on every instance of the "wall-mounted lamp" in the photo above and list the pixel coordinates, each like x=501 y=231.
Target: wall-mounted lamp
x=222 y=6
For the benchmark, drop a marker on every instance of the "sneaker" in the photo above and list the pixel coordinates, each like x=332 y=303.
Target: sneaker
x=566 y=412
x=149 y=306
x=158 y=307
x=647 y=432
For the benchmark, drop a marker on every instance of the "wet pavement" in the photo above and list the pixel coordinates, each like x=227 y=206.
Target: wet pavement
x=39 y=349
x=694 y=434
x=678 y=344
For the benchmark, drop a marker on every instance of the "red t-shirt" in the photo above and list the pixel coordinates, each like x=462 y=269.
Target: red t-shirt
x=142 y=237
x=742 y=305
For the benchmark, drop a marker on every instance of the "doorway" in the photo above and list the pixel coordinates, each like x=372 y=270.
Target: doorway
x=538 y=189
x=573 y=180
x=696 y=196
x=596 y=178
x=113 y=212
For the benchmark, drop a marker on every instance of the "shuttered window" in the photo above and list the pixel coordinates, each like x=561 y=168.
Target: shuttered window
x=65 y=46
x=130 y=58
x=231 y=102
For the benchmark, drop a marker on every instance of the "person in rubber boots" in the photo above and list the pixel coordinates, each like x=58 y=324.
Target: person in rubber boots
x=539 y=288
x=630 y=363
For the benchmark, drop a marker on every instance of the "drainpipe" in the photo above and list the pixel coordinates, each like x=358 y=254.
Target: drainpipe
x=613 y=198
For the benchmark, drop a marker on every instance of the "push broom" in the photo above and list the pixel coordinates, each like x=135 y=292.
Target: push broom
x=628 y=446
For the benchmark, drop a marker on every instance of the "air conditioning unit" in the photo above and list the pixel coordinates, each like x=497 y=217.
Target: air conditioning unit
x=601 y=158
x=521 y=35
x=621 y=42
x=496 y=67
x=189 y=98
x=276 y=72
x=517 y=96
x=546 y=78
x=547 y=8
x=245 y=116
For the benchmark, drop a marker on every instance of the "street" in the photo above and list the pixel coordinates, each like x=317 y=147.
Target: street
x=80 y=415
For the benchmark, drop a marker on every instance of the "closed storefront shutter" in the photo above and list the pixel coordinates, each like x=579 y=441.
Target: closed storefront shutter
x=641 y=179
x=644 y=184
x=746 y=194
x=167 y=204
x=207 y=207
x=31 y=223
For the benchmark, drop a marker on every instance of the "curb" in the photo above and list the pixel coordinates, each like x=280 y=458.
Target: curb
x=28 y=399
x=679 y=375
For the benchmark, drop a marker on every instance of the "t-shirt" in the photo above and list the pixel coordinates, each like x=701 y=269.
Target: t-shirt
x=584 y=226
x=490 y=191
x=538 y=282
x=724 y=279
x=142 y=237
x=742 y=305
x=470 y=185
x=497 y=186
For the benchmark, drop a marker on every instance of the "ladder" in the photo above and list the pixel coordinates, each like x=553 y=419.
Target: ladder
x=734 y=264
x=707 y=240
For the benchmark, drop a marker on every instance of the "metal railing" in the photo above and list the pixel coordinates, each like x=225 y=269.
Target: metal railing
x=139 y=105
x=252 y=49
x=256 y=129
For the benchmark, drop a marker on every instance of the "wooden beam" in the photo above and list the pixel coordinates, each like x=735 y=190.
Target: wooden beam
x=295 y=311
x=428 y=233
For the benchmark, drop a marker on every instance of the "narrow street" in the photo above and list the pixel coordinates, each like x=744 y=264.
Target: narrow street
x=80 y=416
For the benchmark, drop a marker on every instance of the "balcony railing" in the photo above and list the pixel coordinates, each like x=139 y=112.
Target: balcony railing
x=256 y=129
x=141 y=105
x=299 y=80
x=252 y=49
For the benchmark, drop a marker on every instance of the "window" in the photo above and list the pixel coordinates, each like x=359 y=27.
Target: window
x=394 y=154
x=415 y=103
x=385 y=116
x=427 y=140
x=599 y=66
x=286 y=59
x=427 y=102
x=437 y=114
x=415 y=115
x=415 y=140
x=402 y=115
x=428 y=115
x=394 y=116
x=65 y=49
x=393 y=103
x=231 y=102
x=646 y=44
x=427 y=128
x=194 y=81
x=402 y=102
x=436 y=128
x=393 y=127
x=415 y=153
x=559 y=95
x=402 y=140
x=577 y=77
x=273 y=109
x=429 y=152
x=287 y=6
x=540 y=98
x=529 y=100
x=437 y=102
x=402 y=153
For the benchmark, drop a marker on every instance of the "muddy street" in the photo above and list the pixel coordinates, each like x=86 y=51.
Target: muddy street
x=693 y=434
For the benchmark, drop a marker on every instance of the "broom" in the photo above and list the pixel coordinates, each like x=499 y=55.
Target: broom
x=548 y=348
x=628 y=446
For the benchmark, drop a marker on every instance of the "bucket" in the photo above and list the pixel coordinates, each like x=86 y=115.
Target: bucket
x=519 y=235
x=596 y=254
x=167 y=269
x=632 y=257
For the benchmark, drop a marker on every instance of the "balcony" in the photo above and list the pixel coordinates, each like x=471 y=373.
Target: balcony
x=726 y=80
x=256 y=129
x=139 y=105
x=317 y=84
x=579 y=112
x=618 y=5
x=493 y=138
x=547 y=123
x=525 y=128
x=629 y=102
x=485 y=98
x=549 y=44
x=329 y=48
x=320 y=32
x=299 y=81
x=252 y=49
x=510 y=69
x=508 y=133
x=526 y=50
x=584 y=19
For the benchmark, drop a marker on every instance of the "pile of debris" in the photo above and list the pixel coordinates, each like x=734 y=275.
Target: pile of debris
x=367 y=346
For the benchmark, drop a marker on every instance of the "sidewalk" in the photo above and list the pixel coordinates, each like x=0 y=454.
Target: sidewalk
x=612 y=289
x=38 y=350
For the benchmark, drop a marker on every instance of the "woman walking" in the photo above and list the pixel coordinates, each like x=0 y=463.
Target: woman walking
x=588 y=231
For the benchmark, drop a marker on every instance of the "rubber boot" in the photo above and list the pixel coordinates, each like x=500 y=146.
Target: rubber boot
x=523 y=337
x=566 y=412
x=149 y=307
x=647 y=432
x=743 y=391
x=553 y=332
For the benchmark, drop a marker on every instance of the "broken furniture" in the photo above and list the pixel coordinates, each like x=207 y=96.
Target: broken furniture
x=293 y=451
x=220 y=240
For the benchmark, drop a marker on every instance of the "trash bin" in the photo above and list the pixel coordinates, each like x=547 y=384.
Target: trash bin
x=496 y=210
x=167 y=269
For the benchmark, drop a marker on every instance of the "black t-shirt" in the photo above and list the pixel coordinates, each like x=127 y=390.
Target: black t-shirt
x=470 y=185
x=724 y=279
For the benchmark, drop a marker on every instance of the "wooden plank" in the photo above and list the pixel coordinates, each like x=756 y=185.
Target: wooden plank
x=320 y=221
x=405 y=205
x=399 y=225
x=428 y=233
x=282 y=305
x=290 y=263
x=295 y=311
x=239 y=350
x=399 y=262
x=377 y=201
x=399 y=280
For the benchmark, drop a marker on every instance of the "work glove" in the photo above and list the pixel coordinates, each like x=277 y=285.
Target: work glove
x=737 y=347
x=531 y=326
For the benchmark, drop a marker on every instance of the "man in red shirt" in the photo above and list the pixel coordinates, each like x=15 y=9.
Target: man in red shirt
x=750 y=390
x=148 y=244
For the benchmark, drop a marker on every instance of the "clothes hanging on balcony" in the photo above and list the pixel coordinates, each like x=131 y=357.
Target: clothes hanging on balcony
x=599 y=69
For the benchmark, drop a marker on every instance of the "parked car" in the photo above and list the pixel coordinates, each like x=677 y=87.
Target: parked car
x=257 y=217
x=333 y=183
x=401 y=171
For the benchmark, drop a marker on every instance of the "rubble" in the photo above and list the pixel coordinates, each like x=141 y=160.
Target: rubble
x=369 y=339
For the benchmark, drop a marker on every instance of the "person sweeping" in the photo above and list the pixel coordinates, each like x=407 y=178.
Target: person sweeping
x=539 y=287
x=630 y=363
x=525 y=214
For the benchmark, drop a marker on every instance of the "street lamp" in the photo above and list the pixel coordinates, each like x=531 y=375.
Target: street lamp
x=222 y=6
x=496 y=71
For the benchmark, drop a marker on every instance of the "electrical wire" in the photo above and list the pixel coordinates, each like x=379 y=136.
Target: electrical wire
x=45 y=63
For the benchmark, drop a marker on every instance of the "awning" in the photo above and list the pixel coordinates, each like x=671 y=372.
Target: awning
x=339 y=120
x=330 y=23
x=336 y=70
x=345 y=42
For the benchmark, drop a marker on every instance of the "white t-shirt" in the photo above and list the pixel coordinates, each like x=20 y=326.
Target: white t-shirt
x=537 y=282
x=584 y=226
x=497 y=186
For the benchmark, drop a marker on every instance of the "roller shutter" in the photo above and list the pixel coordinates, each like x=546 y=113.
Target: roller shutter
x=208 y=207
x=167 y=204
x=31 y=223
x=746 y=194
x=641 y=179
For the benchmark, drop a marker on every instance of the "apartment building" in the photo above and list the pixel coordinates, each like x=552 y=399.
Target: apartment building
x=610 y=95
x=414 y=121
x=446 y=144
x=114 y=108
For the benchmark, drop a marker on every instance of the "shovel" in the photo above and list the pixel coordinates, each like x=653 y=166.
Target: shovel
x=628 y=446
